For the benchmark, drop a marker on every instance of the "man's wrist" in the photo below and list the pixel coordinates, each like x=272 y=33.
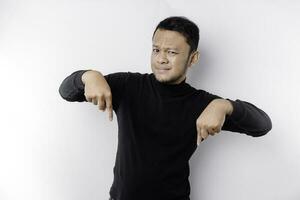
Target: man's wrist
x=226 y=105
x=87 y=74
x=229 y=107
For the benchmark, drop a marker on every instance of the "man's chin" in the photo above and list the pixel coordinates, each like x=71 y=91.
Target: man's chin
x=163 y=79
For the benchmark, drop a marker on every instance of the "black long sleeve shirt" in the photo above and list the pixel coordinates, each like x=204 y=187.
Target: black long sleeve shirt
x=157 y=131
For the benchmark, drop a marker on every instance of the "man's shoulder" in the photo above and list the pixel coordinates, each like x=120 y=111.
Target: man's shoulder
x=127 y=75
x=138 y=76
x=207 y=95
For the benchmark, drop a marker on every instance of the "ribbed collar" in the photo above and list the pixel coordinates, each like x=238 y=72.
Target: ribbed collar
x=165 y=89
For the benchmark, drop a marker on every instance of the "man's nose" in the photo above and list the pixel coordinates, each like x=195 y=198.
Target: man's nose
x=161 y=58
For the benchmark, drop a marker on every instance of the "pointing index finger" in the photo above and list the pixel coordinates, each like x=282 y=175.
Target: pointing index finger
x=110 y=114
x=109 y=108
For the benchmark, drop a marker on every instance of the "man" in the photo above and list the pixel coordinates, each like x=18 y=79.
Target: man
x=161 y=118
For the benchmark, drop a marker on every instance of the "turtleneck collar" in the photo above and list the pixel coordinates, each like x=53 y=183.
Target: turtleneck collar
x=165 y=89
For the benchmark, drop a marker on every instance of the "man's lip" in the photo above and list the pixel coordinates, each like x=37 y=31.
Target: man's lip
x=163 y=68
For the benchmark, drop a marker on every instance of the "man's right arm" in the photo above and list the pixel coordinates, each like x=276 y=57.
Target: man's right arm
x=73 y=86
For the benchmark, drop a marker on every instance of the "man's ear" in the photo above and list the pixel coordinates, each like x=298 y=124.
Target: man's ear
x=194 y=57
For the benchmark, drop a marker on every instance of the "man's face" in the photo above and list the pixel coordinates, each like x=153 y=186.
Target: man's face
x=169 y=58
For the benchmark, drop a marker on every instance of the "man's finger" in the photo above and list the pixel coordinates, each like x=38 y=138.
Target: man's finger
x=199 y=138
x=88 y=99
x=101 y=104
x=94 y=100
x=211 y=131
x=110 y=114
x=198 y=135
x=109 y=108
x=204 y=133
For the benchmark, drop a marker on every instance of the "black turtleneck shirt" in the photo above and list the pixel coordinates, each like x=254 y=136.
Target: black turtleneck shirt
x=157 y=132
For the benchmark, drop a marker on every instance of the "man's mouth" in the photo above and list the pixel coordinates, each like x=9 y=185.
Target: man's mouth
x=162 y=70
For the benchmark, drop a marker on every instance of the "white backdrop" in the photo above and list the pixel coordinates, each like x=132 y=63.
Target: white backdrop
x=52 y=149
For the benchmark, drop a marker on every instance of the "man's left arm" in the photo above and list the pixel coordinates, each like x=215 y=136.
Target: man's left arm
x=244 y=117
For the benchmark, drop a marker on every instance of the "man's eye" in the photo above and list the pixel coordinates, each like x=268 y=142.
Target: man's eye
x=172 y=52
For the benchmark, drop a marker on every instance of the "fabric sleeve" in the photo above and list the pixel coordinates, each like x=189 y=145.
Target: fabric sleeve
x=72 y=87
x=245 y=118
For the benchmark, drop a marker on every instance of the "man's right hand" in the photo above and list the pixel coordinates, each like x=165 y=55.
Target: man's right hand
x=97 y=91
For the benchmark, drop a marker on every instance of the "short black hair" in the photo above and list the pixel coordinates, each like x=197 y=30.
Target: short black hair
x=184 y=26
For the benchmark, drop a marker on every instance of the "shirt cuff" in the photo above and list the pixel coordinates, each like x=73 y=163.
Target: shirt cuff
x=78 y=81
x=238 y=112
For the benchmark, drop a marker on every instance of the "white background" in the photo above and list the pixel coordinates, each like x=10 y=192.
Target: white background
x=51 y=149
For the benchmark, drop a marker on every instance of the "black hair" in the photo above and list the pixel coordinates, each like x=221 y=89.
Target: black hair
x=184 y=26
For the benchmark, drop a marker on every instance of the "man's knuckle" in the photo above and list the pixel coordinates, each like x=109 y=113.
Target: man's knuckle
x=199 y=123
x=108 y=93
x=98 y=95
x=88 y=96
x=215 y=126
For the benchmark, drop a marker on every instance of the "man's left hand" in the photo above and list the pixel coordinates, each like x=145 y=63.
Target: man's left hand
x=212 y=118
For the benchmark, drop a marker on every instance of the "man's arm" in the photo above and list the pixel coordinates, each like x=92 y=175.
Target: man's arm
x=236 y=116
x=73 y=86
x=245 y=117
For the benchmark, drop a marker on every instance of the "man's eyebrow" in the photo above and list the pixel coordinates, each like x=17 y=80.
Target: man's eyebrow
x=167 y=47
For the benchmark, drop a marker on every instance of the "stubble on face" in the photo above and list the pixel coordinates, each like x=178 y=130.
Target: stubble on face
x=172 y=79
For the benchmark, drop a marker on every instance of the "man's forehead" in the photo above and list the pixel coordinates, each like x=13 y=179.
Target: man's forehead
x=168 y=39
